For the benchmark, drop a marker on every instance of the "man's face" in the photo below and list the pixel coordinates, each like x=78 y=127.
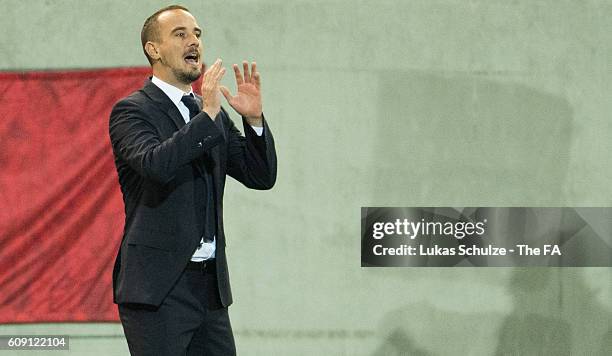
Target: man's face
x=179 y=45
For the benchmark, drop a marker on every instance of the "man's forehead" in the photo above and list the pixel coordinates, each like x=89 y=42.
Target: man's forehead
x=176 y=18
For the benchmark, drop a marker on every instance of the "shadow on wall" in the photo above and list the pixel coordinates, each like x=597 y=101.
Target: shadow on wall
x=398 y=343
x=462 y=138
x=554 y=313
x=424 y=329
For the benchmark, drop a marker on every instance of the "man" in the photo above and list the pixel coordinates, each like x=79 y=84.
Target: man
x=172 y=152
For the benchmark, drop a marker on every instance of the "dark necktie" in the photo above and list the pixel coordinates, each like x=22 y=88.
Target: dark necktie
x=209 y=215
x=191 y=104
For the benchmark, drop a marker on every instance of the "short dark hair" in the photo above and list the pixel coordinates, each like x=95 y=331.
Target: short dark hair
x=150 y=30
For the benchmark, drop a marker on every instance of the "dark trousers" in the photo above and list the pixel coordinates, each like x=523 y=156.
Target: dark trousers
x=190 y=321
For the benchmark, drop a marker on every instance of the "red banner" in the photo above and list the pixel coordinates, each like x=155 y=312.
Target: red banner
x=61 y=214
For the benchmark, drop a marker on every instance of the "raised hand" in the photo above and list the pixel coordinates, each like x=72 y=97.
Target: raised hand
x=247 y=101
x=210 y=89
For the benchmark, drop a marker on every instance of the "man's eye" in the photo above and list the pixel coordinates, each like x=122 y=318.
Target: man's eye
x=180 y=34
x=198 y=35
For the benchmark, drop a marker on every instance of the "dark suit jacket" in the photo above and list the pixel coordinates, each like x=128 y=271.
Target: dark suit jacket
x=158 y=158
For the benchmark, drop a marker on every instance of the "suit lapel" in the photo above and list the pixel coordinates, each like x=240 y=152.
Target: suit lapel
x=164 y=103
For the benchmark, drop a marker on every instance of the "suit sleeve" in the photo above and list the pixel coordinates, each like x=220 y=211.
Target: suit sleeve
x=251 y=158
x=136 y=140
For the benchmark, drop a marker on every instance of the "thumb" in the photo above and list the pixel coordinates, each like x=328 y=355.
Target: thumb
x=226 y=93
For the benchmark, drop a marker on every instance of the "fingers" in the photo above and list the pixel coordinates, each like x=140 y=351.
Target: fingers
x=213 y=75
x=220 y=74
x=216 y=72
x=226 y=93
x=247 y=75
x=237 y=74
x=257 y=79
x=213 y=69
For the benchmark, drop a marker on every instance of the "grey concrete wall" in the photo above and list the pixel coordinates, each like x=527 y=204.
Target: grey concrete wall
x=385 y=103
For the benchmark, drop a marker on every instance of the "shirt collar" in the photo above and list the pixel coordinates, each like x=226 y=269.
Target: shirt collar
x=175 y=94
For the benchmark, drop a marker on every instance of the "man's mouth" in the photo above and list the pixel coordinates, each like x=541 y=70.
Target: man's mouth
x=192 y=58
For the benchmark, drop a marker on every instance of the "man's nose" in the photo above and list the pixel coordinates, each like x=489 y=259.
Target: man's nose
x=193 y=41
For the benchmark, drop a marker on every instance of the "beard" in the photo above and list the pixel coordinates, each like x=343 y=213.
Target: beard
x=187 y=76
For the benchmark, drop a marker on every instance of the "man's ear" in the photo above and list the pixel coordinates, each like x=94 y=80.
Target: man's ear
x=152 y=50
